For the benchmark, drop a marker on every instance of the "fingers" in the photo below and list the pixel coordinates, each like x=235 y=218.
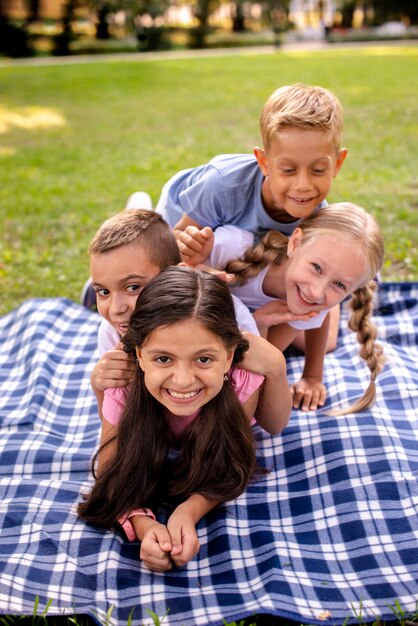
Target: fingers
x=155 y=549
x=277 y=312
x=185 y=546
x=115 y=369
x=221 y=274
x=192 y=239
x=308 y=399
x=195 y=244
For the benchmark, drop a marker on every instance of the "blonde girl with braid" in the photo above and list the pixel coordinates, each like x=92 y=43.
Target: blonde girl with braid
x=291 y=283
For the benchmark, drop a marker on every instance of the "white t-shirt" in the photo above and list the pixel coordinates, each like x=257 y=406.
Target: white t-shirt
x=108 y=337
x=231 y=243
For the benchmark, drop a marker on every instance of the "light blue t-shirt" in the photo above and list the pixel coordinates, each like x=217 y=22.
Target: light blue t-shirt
x=227 y=190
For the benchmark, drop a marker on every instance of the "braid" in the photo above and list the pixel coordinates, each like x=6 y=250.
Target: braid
x=270 y=249
x=360 y=322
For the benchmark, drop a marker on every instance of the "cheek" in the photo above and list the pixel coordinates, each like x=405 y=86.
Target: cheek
x=152 y=383
x=103 y=308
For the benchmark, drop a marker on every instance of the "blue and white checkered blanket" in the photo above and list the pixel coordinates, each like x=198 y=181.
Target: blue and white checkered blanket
x=331 y=531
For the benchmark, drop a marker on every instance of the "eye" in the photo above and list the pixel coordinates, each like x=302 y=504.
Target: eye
x=134 y=289
x=162 y=359
x=102 y=292
x=318 y=171
x=340 y=286
x=316 y=267
x=204 y=360
x=287 y=171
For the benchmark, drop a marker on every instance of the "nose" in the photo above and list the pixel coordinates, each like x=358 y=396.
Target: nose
x=318 y=290
x=303 y=181
x=117 y=305
x=183 y=375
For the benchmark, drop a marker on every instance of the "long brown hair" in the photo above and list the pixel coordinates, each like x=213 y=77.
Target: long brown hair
x=217 y=454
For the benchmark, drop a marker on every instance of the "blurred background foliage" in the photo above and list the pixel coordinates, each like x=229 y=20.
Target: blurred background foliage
x=62 y=27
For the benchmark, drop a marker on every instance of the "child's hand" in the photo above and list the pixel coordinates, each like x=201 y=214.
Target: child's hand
x=221 y=274
x=156 y=547
x=195 y=244
x=277 y=312
x=183 y=536
x=116 y=368
x=308 y=394
x=261 y=357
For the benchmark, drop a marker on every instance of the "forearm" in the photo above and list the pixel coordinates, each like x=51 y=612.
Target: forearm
x=281 y=335
x=315 y=349
x=197 y=506
x=275 y=402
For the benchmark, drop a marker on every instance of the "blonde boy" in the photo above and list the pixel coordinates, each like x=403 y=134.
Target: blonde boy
x=280 y=184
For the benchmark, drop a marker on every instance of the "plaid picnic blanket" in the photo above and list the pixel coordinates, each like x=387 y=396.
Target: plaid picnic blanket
x=331 y=531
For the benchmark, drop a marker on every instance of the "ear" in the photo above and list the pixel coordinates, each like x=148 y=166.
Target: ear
x=261 y=157
x=230 y=357
x=340 y=160
x=295 y=240
x=139 y=357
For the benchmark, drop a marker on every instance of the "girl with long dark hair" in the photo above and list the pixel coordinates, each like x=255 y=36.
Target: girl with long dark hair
x=181 y=431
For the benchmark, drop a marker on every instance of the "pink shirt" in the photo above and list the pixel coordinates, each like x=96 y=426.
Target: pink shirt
x=243 y=382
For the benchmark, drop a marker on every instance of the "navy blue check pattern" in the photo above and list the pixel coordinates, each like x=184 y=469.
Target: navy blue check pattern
x=331 y=530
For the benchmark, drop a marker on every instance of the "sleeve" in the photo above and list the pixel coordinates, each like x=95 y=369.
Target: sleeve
x=230 y=243
x=244 y=317
x=114 y=402
x=314 y=322
x=206 y=199
x=244 y=382
x=107 y=337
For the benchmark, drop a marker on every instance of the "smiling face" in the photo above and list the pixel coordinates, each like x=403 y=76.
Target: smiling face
x=322 y=271
x=299 y=168
x=118 y=276
x=184 y=365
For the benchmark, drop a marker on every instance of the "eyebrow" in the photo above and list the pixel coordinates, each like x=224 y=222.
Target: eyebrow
x=163 y=351
x=122 y=280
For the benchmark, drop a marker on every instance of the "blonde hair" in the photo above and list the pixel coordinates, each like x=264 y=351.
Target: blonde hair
x=302 y=106
x=147 y=228
x=354 y=224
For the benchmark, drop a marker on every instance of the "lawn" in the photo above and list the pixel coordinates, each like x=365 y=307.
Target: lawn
x=76 y=140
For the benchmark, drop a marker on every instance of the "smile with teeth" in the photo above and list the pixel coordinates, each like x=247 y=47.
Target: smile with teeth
x=182 y=396
x=305 y=298
x=302 y=199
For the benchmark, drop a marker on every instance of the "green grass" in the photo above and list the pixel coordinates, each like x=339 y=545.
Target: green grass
x=400 y=618
x=76 y=140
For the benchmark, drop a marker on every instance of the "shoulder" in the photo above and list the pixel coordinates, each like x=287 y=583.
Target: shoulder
x=230 y=235
x=114 y=402
x=244 y=317
x=244 y=382
x=230 y=242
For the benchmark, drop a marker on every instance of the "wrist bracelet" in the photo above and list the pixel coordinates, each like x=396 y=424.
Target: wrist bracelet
x=124 y=521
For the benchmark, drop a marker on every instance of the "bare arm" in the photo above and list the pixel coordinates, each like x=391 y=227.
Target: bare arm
x=272 y=405
x=281 y=335
x=309 y=392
